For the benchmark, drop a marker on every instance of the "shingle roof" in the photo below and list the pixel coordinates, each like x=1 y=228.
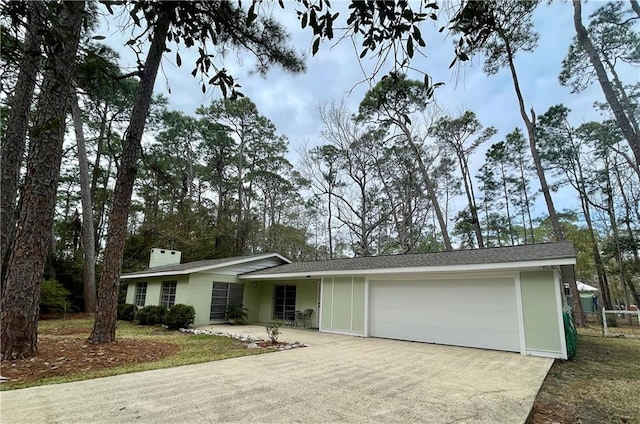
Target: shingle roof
x=206 y=263
x=528 y=252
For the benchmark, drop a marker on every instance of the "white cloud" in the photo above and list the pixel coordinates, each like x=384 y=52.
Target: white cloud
x=291 y=101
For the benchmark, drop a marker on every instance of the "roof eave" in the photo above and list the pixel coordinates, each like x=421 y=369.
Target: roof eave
x=156 y=274
x=413 y=270
x=151 y=273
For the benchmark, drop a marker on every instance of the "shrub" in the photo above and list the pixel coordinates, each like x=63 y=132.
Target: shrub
x=54 y=297
x=179 y=316
x=151 y=315
x=126 y=311
x=273 y=331
x=237 y=313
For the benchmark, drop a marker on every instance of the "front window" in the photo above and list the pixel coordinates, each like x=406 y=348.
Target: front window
x=141 y=294
x=284 y=305
x=168 y=294
x=224 y=294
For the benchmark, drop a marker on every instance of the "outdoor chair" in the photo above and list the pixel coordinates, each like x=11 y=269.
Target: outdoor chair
x=306 y=316
x=291 y=318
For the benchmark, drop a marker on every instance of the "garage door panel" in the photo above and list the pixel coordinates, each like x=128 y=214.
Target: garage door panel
x=481 y=338
x=475 y=313
x=451 y=294
x=450 y=318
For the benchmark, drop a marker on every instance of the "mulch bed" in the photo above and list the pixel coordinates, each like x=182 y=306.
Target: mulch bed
x=71 y=355
x=552 y=412
x=269 y=343
x=64 y=331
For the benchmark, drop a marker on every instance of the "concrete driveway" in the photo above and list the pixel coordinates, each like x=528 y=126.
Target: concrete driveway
x=335 y=379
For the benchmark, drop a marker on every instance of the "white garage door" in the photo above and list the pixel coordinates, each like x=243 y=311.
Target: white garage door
x=475 y=313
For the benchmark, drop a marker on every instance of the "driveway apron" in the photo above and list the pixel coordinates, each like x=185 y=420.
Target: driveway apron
x=334 y=379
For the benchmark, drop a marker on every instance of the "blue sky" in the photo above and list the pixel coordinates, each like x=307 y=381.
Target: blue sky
x=291 y=101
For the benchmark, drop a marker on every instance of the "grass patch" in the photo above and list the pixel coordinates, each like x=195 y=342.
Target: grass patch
x=598 y=385
x=623 y=329
x=71 y=334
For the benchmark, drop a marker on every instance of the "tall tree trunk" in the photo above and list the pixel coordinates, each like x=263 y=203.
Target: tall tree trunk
x=104 y=327
x=505 y=190
x=471 y=199
x=99 y=201
x=430 y=186
x=632 y=238
x=21 y=291
x=15 y=136
x=530 y=123
x=99 y=147
x=580 y=184
x=365 y=230
x=526 y=208
x=609 y=93
x=240 y=243
x=544 y=186
x=89 y=245
x=487 y=235
x=329 y=225
x=431 y=191
x=625 y=282
x=101 y=207
x=623 y=96
x=603 y=283
x=610 y=210
x=616 y=238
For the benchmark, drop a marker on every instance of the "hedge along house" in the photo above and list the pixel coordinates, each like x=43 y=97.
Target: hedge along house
x=507 y=298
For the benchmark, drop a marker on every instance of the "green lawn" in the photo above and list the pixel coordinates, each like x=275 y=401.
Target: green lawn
x=599 y=385
x=191 y=349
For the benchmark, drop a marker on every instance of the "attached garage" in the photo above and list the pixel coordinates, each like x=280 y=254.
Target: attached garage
x=463 y=311
x=507 y=298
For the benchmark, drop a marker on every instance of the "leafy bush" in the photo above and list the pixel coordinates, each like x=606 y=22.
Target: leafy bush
x=237 y=313
x=179 y=316
x=126 y=311
x=151 y=315
x=68 y=271
x=273 y=331
x=54 y=297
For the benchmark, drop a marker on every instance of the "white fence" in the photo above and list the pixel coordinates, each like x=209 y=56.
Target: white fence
x=616 y=312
